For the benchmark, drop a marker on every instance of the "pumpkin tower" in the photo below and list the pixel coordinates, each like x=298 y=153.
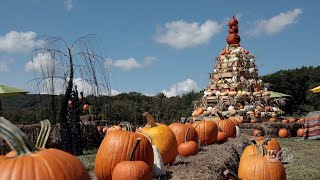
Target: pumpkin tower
x=234 y=87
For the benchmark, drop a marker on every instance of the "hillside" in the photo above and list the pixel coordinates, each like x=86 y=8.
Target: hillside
x=32 y=108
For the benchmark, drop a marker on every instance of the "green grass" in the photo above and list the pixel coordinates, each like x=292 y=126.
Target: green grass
x=305 y=164
x=88 y=158
x=306 y=158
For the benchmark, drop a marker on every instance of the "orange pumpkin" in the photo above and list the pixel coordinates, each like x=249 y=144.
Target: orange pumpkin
x=233 y=39
x=227 y=126
x=273 y=119
x=207 y=131
x=259 y=167
x=283 y=133
x=233 y=21
x=132 y=170
x=188 y=148
x=180 y=129
x=285 y=121
x=253 y=121
x=28 y=161
x=300 y=132
x=116 y=147
x=222 y=136
x=301 y=120
x=292 y=120
x=270 y=144
x=250 y=150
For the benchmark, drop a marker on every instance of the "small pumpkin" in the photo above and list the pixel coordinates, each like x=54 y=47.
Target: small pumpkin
x=285 y=121
x=233 y=30
x=28 y=158
x=273 y=119
x=253 y=121
x=283 y=133
x=132 y=170
x=162 y=137
x=292 y=120
x=233 y=21
x=300 y=132
x=188 y=148
x=301 y=120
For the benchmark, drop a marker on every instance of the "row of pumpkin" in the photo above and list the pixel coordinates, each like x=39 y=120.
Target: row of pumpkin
x=121 y=155
x=159 y=145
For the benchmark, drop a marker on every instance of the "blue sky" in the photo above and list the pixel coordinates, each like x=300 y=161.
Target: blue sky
x=161 y=46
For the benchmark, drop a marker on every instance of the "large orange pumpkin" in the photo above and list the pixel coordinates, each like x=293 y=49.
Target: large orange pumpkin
x=207 y=131
x=259 y=167
x=29 y=162
x=116 y=147
x=180 y=129
x=162 y=137
x=132 y=170
x=227 y=126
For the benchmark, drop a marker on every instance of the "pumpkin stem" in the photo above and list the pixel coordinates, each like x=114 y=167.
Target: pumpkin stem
x=261 y=150
x=44 y=133
x=254 y=142
x=135 y=145
x=145 y=134
x=265 y=141
x=15 y=138
x=150 y=120
x=220 y=115
x=126 y=125
x=186 y=136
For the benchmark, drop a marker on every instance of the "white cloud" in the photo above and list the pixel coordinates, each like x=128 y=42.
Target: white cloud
x=43 y=62
x=181 y=88
x=18 y=42
x=275 y=24
x=59 y=87
x=68 y=4
x=181 y=34
x=114 y=92
x=131 y=63
x=4 y=64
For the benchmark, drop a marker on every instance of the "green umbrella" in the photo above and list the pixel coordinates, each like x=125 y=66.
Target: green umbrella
x=274 y=94
x=9 y=91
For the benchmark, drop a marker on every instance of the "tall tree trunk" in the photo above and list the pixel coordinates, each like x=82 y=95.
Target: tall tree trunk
x=76 y=136
x=65 y=124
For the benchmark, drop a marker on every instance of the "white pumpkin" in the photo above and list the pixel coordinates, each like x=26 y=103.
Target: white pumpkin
x=158 y=168
x=230 y=108
x=238 y=131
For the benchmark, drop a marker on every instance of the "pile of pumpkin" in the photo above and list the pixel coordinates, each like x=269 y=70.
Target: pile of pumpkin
x=158 y=145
